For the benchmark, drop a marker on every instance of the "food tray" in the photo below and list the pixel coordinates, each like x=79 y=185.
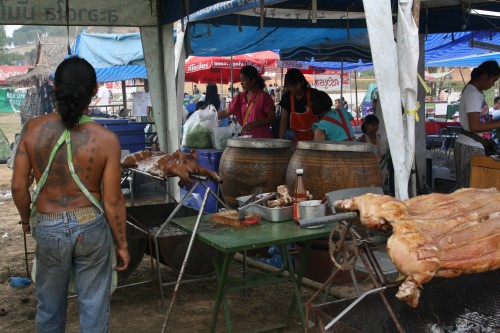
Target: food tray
x=270 y=214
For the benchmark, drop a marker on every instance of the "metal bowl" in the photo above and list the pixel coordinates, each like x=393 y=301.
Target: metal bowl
x=310 y=209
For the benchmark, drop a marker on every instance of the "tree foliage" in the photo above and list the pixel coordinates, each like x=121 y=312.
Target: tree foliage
x=28 y=34
x=7 y=58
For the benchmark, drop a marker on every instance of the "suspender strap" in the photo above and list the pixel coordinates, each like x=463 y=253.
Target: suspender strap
x=45 y=174
x=342 y=124
x=66 y=137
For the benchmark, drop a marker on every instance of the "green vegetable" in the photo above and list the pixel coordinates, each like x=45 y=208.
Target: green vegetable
x=198 y=137
x=221 y=141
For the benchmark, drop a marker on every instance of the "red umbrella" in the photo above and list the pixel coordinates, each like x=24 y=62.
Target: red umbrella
x=217 y=69
x=268 y=59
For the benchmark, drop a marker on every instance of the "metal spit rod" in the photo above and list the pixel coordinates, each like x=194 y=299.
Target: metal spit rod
x=353 y=304
x=327 y=219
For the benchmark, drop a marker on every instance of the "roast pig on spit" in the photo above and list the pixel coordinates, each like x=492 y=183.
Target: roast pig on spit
x=162 y=165
x=443 y=235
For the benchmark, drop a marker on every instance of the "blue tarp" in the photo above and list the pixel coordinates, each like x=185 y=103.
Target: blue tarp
x=115 y=57
x=434 y=18
x=458 y=45
x=469 y=61
x=224 y=38
x=330 y=45
x=219 y=24
x=460 y=49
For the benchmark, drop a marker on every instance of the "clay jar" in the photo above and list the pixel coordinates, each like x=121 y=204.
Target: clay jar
x=330 y=166
x=247 y=164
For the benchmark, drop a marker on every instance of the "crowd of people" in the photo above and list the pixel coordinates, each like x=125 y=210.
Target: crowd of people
x=300 y=113
x=305 y=113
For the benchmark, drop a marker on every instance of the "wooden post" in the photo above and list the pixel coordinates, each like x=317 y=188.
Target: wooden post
x=124 y=94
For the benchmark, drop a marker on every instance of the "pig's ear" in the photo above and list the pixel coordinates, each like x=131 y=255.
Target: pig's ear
x=194 y=153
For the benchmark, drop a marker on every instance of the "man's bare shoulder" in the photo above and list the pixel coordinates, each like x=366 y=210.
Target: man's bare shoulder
x=102 y=133
x=95 y=126
x=33 y=126
x=43 y=119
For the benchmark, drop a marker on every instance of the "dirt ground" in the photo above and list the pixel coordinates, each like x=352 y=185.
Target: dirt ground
x=134 y=308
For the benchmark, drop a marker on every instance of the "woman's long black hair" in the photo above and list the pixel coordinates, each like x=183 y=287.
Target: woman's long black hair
x=489 y=67
x=74 y=86
x=212 y=96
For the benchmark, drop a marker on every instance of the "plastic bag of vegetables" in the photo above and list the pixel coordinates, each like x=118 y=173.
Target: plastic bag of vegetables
x=221 y=134
x=198 y=129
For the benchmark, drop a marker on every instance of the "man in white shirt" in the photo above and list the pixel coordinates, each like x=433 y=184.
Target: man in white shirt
x=102 y=97
x=141 y=102
x=495 y=109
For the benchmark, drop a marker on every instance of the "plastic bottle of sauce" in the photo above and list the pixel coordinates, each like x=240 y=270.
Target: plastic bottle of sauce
x=300 y=194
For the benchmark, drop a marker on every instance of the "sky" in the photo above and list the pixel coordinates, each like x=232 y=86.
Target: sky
x=9 y=29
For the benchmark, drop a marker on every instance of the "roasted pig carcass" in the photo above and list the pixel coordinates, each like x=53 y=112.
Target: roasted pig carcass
x=162 y=165
x=443 y=235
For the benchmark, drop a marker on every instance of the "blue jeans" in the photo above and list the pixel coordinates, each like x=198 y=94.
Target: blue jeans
x=66 y=243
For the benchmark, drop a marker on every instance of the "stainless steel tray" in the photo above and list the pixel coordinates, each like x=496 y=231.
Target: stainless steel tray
x=270 y=214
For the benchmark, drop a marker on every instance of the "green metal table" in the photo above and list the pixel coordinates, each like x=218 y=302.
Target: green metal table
x=229 y=240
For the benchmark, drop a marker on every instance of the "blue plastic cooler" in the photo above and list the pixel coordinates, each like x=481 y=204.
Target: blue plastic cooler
x=131 y=134
x=210 y=159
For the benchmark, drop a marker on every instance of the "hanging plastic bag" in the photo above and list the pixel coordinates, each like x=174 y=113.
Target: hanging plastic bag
x=198 y=129
x=221 y=134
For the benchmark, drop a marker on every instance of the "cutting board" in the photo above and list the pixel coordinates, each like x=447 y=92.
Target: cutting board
x=232 y=218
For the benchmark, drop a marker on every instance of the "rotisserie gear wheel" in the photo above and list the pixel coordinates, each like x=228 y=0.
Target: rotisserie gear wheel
x=343 y=250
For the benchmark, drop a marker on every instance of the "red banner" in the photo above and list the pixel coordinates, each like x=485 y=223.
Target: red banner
x=9 y=71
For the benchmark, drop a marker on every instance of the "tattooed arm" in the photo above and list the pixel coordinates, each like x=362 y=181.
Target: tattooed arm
x=21 y=181
x=114 y=203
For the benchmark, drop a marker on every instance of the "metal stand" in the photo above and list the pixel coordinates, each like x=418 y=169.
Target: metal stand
x=155 y=237
x=186 y=258
x=346 y=254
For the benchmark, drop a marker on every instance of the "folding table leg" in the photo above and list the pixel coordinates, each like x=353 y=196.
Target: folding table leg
x=221 y=271
x=296 y=281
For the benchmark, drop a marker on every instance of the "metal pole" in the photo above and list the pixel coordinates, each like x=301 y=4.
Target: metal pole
x=353 y=304
x=124 y=94
x=341 y=80
x=350 y=88
x=186 y=258
x=232 y=80
x=26 y=256
x=160 y=230
x=356 y=93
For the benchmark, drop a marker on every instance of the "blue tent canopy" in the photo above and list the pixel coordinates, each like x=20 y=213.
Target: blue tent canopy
x=439 y=47
x=121 y=73
x=435 y=16
x=212 y=27
x=469 y=61
x=115 y=57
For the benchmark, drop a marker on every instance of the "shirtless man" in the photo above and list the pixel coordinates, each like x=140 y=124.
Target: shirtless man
x=72 y=233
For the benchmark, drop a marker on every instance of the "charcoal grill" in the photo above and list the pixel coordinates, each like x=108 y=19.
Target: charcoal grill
x=446 y=305
x=172 y=242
